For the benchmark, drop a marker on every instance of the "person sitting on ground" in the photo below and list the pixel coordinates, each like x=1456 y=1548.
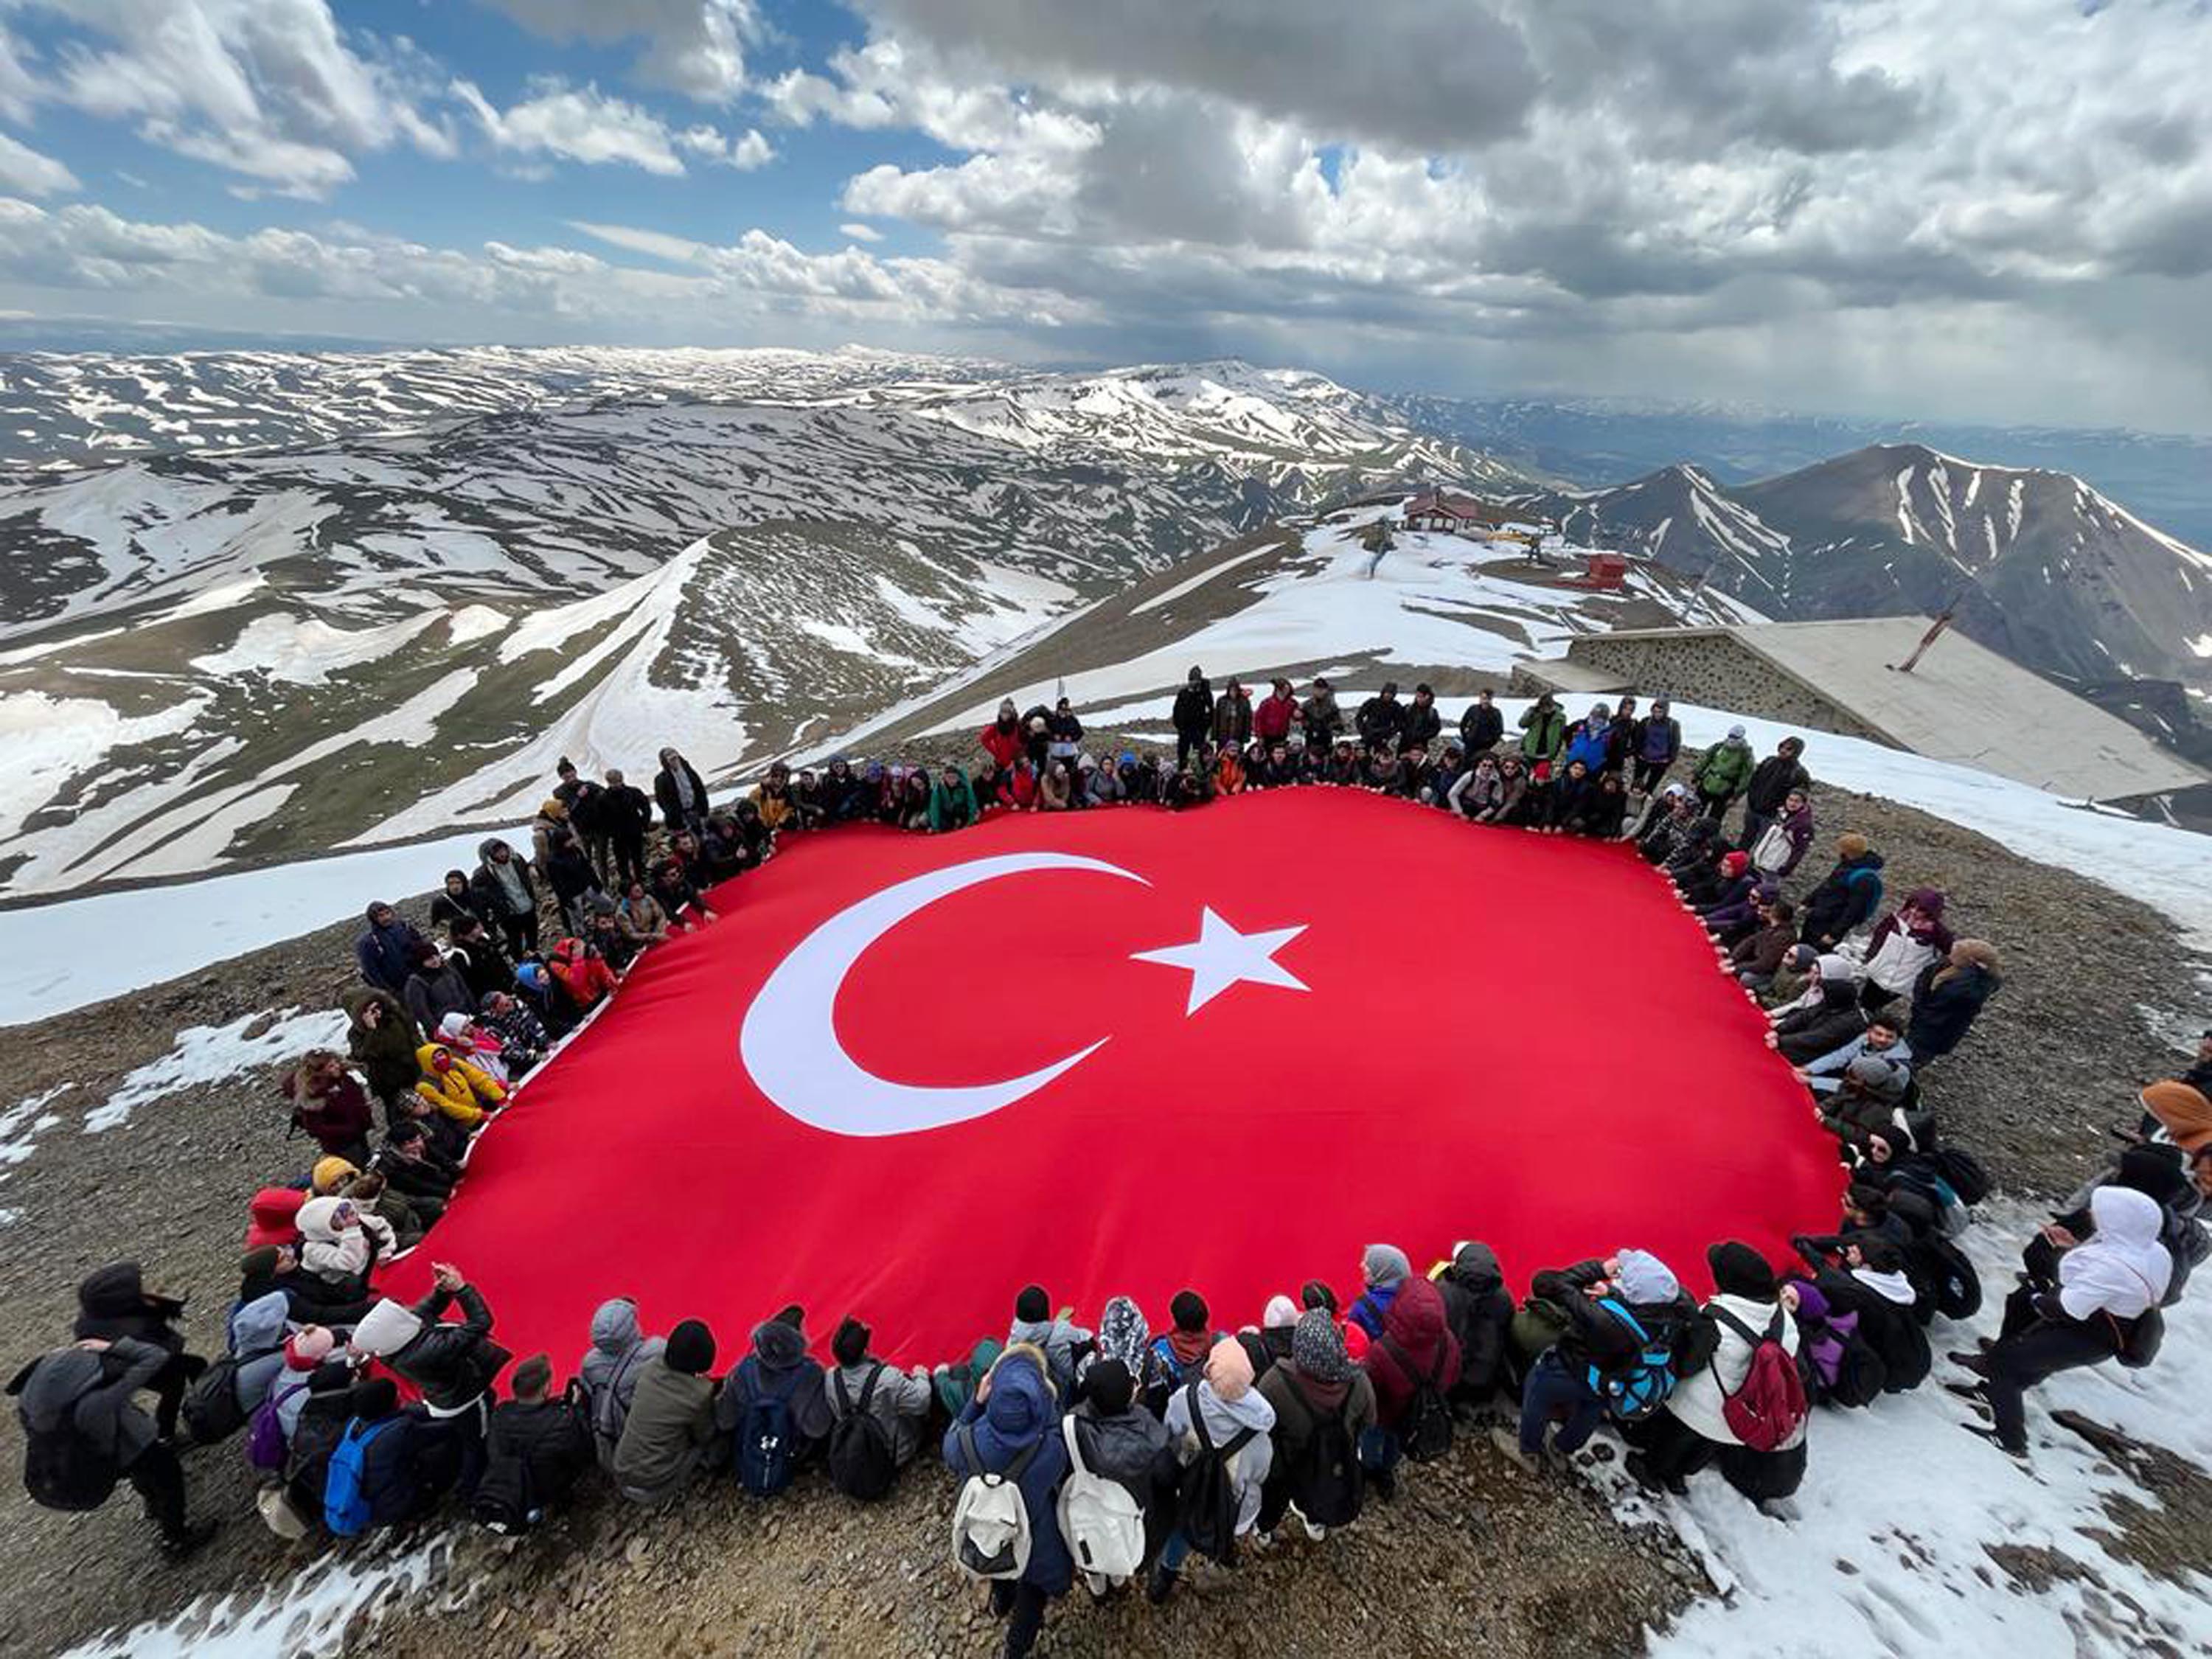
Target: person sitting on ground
x=1380 y=774
x=1478 y=792
x=1905 y=942
x=1416 y=776
x=254 y=1338
x=382 y=1041
x=682 y=903
x=1735 y=905
x=2105 y=1287
x=478 y=1042
x=1122 y=1442
x=374 y=1196
x=953 y=802
x=900 y=1400
x=451 y=1364
x=269 y=1267
x=1868 y=1279
x=1756 y=957
x=1478 y=1311
x=1949 y=996
x=329 y=1105
x=272 y=1217
x=1384 y=1271
x=609 y=1372
x=1179 y=1354
x=1848 y=897
x=83 y=1429
x=605 y=937
x=1102 y=783
x=1316 y=1386
x=385 y=951
x=1691 y=1428
x=1511 y=805
x=1052 y=1335
x=1018 y=786
x=1824 y=1074
x=1344 y=766
x=536 y=1449
x=1827 y=1018
x=298 y=1358
x=640 y=916
x=112 y=1304
x=408 y=1462
x=434 y=990
x=1188 y=788
x=1600 y=812
x=1664 y=823
x=1781 y=844
x=456 y=1084
x=477 y=957
x=523 y=1039
x=582 y=974
x=1224 y=1400
x=1595 y=1343
x=779 y=1368
x=416 y=1171
x=1414 y=1349
x=668 y=1432
x=1013 y=1420
x=1229 y=777
x=340 y=1244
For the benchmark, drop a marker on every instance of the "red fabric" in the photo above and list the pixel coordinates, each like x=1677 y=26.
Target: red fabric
x=1490 y=1015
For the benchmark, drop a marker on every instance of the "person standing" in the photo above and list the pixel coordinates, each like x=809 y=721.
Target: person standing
x=1657 y=741
x=387 y=950
x=629 y=815
x=1543 y=731
x=1193 y=718
x=1772 y=783
x=1321 y=717
x=1721 y=774
x=681 y=792
x=1482 y=727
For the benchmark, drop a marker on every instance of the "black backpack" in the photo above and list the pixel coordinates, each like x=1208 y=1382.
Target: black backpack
x=1206 y=1496
x=862 y=1463
x=1962 y=1173
x=505 y=1500
x=1954 y=1287
x=62 y=1470
x=211 y=1409
x=1324 y=1479
x=1427 y=1433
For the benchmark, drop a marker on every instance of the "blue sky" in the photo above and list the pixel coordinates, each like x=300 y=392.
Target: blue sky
x=1893 y=207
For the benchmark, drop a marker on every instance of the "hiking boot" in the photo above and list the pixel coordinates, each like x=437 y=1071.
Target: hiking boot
x=179 y=1546
x=1383 y=1482
x=1160 y=1585
x=1976 y=1363
x=2017 y=1453
x=1509 y=1446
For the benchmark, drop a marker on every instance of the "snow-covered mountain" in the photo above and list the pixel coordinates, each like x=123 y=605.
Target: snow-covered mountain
x=212 y=653
x=2041 y=566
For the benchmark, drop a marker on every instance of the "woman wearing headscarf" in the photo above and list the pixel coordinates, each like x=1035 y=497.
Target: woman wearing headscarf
x=1692 y=1428
x=330 y=1105
x=1226 y=1401
x=1948 y=997
x=1318 y=1383
x=2106 y=1285
x=1012 y=1418
x=1905 y=942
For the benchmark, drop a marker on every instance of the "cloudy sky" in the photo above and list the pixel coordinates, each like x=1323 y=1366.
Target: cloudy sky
x=2001 y=209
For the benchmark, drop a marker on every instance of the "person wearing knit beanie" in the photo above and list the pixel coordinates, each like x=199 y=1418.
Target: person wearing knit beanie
x=1281 y=1310
x=1229 y=1370
x=1108 y=1389
x=1384 y=1269
x=331 y=1176
x=1739 y=1270
x=1317 y=1348
x=691 y=1348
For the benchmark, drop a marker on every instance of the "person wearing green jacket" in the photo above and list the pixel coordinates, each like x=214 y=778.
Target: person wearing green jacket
x=1721 y=772
x=952 y=803
x=1543 y=731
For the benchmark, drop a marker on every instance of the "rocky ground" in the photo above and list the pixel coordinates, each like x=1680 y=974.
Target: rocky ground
x=1469 y=1556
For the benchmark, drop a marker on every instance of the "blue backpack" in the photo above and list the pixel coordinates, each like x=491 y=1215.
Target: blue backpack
x=1633 y=1391
x=346 y=1509
x=764 y=1433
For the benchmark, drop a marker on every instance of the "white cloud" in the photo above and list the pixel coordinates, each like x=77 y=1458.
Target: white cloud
x=860 y=232
x=576 y=124
x=680 y=250
x=697 y=47
x=744 y=152
x=27 y=172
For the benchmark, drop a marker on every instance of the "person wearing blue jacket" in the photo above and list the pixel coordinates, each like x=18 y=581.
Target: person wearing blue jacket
x=387 y=951
x=1014 y=1409
x=1591 y=741
x=1383 y=1270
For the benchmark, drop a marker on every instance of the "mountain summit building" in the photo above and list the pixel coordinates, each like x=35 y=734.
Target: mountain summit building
x=1956 y=701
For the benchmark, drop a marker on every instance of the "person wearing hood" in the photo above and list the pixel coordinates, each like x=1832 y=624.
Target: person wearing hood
x=1051 y=1334
x=1588 y=742
x=506 y=895
x=112 y=1304
x=299 y=1357
x=456 y=1084
x=1772 y=783
x=1415 y=1346
x=1192 y=717
x=329 y=1104
x=1721 y=774
x=473 y=1040
x=382 y=1040
x=1949 y=996
x=779 y=1367
x=668 y=1432
x=385 y=950
x=609 y=1371
x=1012 y=1415
x=1384 y=1271
x=1907 y=941
x=1782 y=841
x=581 y=972
x=1593 y=1342
x=452 y=1362
x=1318 y=1382
x=1868 y=1280
x=1123 y=1443
x=2106 y=1286
x=1224 y=1399
x=1479 y=1309
x=1123 y=1334
x=952 y=802
x=1656 y=742
x=1847 y=897
x=1321 y=720
x=254 y=1338
x=78 y=1407
x=340 y=1244
x=900 y=1399
x=272 y=1217
x=1691 y=1428
x=1543 y=731
x=435 y=988
x=1381 y=719
x=1830 y=1016
x=1620 y=740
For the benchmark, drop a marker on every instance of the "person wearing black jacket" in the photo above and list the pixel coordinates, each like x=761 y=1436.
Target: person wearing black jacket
x=1480 y=1310
x=409 y=1465
x=535 y=1451
x=1422 y=723
x=1193 y=718
x=1381 y=719
x=1482 y=728
x=455 y=902
x=477 y=957
x=453 y=1363
x=1871 y=1283
x=681 y=792
x=1601 y=810
x=1771 y=780
x=1657 y=742
x=1620 y=738
x=323 y=1415
x=1948 y=996
x=1594 y=1339
x=629 y=815
x=112 y=1304
x=312 y=1300
x=415 y=1169
x=506 y=894
x=1848 y=895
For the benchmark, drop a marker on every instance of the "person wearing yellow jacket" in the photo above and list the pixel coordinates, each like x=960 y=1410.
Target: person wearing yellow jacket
x=457 y=1086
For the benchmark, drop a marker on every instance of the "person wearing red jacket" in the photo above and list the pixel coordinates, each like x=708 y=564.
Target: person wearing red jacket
x=1003 y=740
x=330 y=1105
x=583 y=973
x=1275 y=715
x=1018 y=785
x=1416 y=1344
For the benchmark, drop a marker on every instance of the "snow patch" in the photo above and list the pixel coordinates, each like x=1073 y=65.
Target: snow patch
x=208 y=1053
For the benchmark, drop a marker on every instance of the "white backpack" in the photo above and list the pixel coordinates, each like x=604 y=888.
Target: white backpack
x=990 y=1523
x=1103 y=1525
x=1773 y=851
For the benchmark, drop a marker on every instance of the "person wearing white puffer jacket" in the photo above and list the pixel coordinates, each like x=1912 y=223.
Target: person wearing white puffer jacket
x=339 y=1243
x=1692 y=1429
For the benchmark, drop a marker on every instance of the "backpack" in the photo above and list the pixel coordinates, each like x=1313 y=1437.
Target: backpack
x=764 y=1434
x=1325 y=1480
x=1768 y=1407
x=211 y=1409
x=1101 y=1520
x=1962 y=1172
x=1427 y=1433
x=990 y=1521
x=1206 y=1496
x=1633 y=1392
x=265 y=1443
x=862 y=1463
x=2136 y=1342
x=505 y=1500
x=346 y=1507
x=1953 y=1285
x=63 y=1470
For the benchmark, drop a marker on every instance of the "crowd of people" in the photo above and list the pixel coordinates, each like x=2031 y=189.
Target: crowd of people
x=1113 y=1452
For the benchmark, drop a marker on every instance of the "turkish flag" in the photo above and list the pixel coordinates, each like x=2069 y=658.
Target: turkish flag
x=1126 y=1051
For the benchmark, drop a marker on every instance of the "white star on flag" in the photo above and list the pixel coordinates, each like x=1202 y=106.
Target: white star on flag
x=1220 y=956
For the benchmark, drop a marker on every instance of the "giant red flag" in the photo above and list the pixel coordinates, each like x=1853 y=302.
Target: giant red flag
x=1128 y=1051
